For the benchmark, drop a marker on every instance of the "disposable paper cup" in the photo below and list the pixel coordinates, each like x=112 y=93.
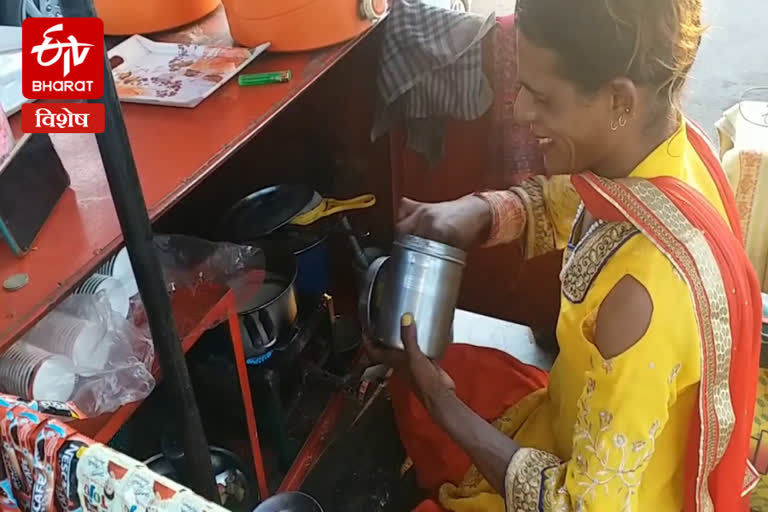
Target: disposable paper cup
x=80 y=340
x=33 y=373
x=119 y=266
x=118 y=296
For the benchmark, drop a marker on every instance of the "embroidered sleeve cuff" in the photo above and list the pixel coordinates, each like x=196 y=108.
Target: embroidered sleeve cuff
x=507 y=216
x=528 y=478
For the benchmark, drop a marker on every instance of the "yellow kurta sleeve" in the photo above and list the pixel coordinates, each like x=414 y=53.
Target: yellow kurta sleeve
x=625 y=403
x=621 y=411
x=540 y=212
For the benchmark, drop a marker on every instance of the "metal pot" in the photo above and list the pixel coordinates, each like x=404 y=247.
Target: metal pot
x=237 y=486
x=422 y=277
x=290 y=502
x=273 y=309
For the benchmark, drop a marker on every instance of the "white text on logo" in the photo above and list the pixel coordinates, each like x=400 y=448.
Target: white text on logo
x=74 y=52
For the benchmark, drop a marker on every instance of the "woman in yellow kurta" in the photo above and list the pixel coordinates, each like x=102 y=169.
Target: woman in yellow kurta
x=649 y=403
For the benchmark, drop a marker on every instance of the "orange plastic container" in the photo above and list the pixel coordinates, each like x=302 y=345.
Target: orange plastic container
x=124 y=17
x=297 y=25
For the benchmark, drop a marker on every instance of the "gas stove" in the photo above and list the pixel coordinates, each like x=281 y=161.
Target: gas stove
x=291 y=383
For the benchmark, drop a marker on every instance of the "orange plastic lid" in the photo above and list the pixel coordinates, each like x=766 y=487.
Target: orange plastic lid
x=125 y=17
x=295 y=25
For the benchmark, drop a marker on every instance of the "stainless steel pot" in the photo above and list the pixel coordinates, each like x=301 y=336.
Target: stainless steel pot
x=237 y=486
x=273 y=308
x=290 y=502
x=421 y=277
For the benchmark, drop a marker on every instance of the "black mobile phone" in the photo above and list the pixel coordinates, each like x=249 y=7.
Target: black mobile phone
x=32 y=180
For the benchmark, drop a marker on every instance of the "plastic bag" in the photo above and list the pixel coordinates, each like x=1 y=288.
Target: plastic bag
x=111 y=358
x=188 y=262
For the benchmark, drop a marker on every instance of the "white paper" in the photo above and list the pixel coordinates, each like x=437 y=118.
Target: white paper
x=10 y=38
x=10 y=82
x=160 y=73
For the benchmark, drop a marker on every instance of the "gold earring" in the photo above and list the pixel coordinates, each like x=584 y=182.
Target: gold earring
x=622 y=121
x=614 y=126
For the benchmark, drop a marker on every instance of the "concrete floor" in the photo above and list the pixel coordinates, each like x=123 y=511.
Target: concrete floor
x=733 y=55
x=733 y=58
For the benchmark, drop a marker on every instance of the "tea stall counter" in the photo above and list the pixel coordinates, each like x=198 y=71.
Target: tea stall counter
x=175 y=149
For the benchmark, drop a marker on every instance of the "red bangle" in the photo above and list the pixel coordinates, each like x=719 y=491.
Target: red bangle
x=507 y=216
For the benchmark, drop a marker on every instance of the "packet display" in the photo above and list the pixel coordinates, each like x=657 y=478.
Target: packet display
x=101 y=474
x=55 y=455
x=11 y=478
x=146 y=491
x=24 y=427
x=15 y=400
x=67 y=496
x=187 y=501
x=7 y=501
x=20 y=422
x=110 y=481
x=48 y=466
x=11 y=458
x=64 y=410
x=42 y=490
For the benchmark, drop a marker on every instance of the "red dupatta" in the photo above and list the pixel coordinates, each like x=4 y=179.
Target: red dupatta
x=710 y=256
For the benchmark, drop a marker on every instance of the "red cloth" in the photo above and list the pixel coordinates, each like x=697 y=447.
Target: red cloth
x=488 y=381
x=428 y=506
x=514 y=153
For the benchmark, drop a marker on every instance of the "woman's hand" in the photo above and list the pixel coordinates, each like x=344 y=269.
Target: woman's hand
x=462 y=223
x=424 y=376
x=488 y=448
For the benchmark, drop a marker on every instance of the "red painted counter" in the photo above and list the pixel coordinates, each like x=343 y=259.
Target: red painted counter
x=174 y=149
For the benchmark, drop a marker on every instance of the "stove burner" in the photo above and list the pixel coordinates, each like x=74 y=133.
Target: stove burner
x=256 y=361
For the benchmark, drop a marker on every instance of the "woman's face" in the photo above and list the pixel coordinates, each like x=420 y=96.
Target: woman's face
x=573 y=129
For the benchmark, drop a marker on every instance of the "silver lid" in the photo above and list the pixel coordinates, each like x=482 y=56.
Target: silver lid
x=432 y=248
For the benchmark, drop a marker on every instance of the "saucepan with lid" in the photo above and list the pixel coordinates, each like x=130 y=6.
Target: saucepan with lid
x=422 y=277
x=273 y=309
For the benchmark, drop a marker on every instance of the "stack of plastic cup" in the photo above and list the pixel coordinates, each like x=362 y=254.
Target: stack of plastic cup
x=119 y=298
x=32 y=373
x=82 y=341
x=119 y=266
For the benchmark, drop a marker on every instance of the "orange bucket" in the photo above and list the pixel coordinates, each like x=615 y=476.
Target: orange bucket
x=298 y=25
x=125 y=17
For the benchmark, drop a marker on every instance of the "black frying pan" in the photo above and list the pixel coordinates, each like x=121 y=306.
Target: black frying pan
x=264 y=211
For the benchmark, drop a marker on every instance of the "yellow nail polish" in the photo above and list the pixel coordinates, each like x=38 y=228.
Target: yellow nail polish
x=406 y=320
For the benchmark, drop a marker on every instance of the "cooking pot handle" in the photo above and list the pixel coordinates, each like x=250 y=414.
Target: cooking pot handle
x=174 y=454
x=262 y=329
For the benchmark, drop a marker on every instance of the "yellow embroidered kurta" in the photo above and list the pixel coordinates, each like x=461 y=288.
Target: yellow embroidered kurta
x=607 y=435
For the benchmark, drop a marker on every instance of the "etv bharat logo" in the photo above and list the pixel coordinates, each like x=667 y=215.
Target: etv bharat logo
x=62 y=58
x=74 y=52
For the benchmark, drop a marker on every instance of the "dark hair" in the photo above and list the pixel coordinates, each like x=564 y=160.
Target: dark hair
x=652 y=42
